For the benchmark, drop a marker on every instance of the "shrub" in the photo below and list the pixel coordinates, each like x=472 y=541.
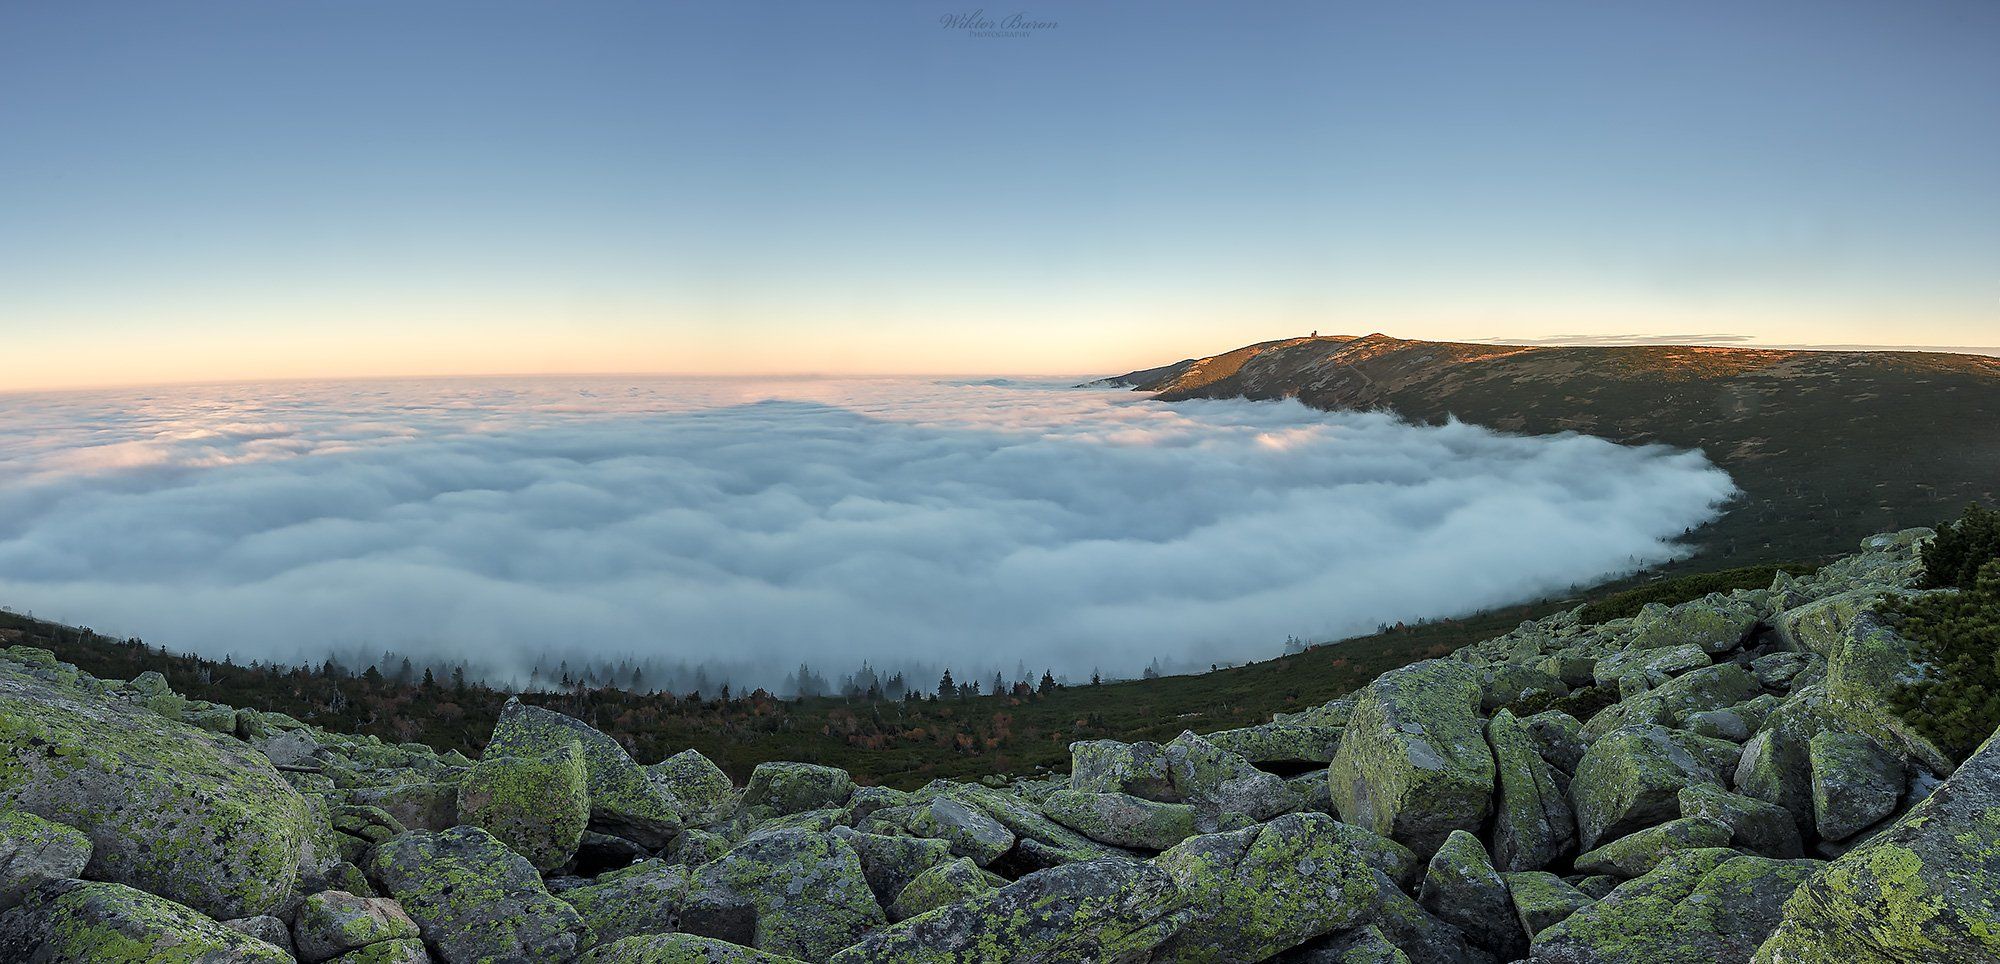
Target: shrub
x=1954 y=558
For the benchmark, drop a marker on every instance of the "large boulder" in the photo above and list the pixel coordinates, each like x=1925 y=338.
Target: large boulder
x=1541 y=899
x=645 y=898
x=967 y=830
x=334 y=922
x=1108 y=766
x=33 y=850
x=624 y=800
x=704 y=791
x=1265 y=889
x=1104 y=911
x=73 y=922
x=1754 y=825
x=1716 y=623
x=474 y=899
x=1632 y=778
x=1921 y=890
x=1038 y=841
x=1697 y=907
x=538 y=805
x=782 y=789
x=678 y=949
x=1854 y=783
x=1220 y=785
x=1462 y=889
x=1281 y=741
x=1414 y=765
x=1671 y=702
x=197 y=818
x=1533 y=824
x=1121 y=819
x=792 y=892
x=946 y=883
x=1638 y=852
x=891 y=861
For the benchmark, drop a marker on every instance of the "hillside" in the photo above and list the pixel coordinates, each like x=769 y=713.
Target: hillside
x=1826 y=445
x=1722 y=780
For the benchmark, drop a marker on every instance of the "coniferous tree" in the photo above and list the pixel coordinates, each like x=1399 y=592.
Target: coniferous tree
x=945 y=685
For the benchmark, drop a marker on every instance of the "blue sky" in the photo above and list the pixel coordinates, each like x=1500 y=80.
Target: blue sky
x=196 y=190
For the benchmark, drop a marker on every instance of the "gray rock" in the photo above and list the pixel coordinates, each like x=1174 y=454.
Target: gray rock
x=678 y=949
x=1650 y=666
x=946 y=883
x=1122 y=820
x=1108 y=766
x=334 y=922
x=1632 y=779
x=779 y=789
x=266 y=928
x=645 y=898
x=891 y=862
x=1533 y=823
x=537 y=805
x=183 y=813
x=1462 y=889
x=624 y=801
x=1102 y=911
x=33 y=850
x=1265 y=889
x=1697 y=907
x=801 y=894
x=1755 y=825
x=1854 y=783
x=1414 y=765
x=1220 y=785
x=706 y=796
x=474 y=899
x=1638 y=852
x=73 y=922
x=1541 y=899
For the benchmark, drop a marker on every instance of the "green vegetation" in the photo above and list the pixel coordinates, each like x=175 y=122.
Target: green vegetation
x=1957 y=634
x=902 y=743
x=1953 y=559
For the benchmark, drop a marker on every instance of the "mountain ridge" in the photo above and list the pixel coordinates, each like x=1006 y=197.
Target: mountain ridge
x=1826 y=444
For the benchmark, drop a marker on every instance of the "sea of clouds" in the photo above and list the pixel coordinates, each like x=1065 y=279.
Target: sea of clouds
x=749 y=525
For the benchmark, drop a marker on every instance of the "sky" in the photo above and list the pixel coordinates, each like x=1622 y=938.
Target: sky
x=744 y=526
x=196 y=191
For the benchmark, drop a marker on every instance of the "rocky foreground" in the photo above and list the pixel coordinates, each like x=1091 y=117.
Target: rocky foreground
x=1716 y=781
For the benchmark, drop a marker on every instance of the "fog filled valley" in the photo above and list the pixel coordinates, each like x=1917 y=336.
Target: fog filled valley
x=683 y=534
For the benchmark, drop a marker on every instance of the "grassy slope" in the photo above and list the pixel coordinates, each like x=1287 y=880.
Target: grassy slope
x=896 y=743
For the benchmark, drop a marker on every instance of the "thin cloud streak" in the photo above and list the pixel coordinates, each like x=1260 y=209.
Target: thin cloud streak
x=760 y=523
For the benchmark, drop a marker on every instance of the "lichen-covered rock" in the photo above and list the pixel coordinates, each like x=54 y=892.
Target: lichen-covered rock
x=333 y=923
x=1631 y=779
x=183 y=813
x=1264 y=889
x=1716 y=623
x=1558 y=738
x=1541 y=899
x=1777 y=670
x=945 y=883
x=1121 y=819
x=1921 y=890
x=644 y=898
x=1670 y=702
x=1533 y=824
x=696 y=847
x=1640 y=851
x=1038 y=841
x=474 y=899
x=1220 y=785
x=1697 y=907
x=1421 y=936
x=969 y=832
x=73 y=922
x=1104 y=911
x=678 y=949
x=891 y=862
x=407 y=950
x=792 y=892
x=624 y=801
x=1518 y=687
x=33 y=850
x=704 y=791
x=1650 y=667
x=1414 y=765
x=264 y=927
x=778 y=789
x=537 y=805
x=1359 y=945
x=423 y=805
x=1281 y=742
x=1755 y=825
x=1854 y=783
x=1462 y=889
x=1108 y=766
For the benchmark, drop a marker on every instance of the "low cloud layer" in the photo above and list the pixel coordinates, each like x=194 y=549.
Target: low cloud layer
x=753 y=525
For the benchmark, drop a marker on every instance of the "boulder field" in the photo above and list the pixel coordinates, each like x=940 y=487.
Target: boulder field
x=1721 y=780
